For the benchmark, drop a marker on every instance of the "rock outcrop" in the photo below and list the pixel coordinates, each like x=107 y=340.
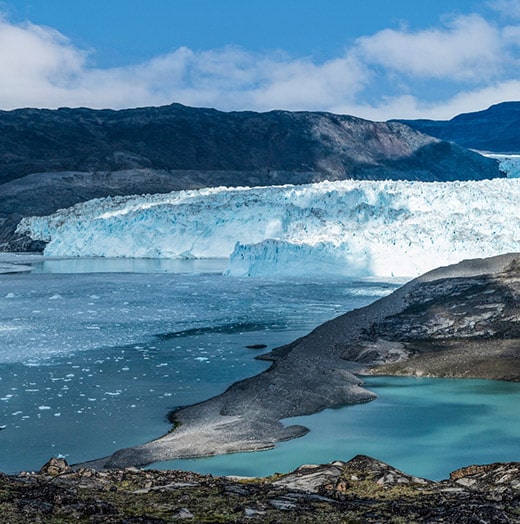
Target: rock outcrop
x=52 y=159
x=457 y=321
x=361 y=490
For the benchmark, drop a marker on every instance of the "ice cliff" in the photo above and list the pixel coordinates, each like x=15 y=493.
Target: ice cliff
x=348 y=227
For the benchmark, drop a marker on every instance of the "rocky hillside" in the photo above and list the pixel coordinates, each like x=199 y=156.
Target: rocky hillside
x=361 y=490
x=51 y=159
x=176 y=137
x=496 y=129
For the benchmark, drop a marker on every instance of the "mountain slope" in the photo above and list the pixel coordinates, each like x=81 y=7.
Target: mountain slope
x=495 y=129
x=176 y=137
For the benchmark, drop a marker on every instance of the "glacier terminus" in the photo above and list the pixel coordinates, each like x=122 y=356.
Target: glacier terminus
x=355 y=228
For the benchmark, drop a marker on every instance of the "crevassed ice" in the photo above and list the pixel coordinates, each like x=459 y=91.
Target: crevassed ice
x=349 y=227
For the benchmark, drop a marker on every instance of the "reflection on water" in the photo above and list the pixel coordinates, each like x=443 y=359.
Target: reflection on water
x=129 y=265
x=426 y=427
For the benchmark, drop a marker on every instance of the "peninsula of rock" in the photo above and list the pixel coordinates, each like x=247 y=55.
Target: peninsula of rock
x=456 y=321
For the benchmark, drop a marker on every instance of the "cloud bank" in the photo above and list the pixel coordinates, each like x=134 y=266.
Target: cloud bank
x=473 y=62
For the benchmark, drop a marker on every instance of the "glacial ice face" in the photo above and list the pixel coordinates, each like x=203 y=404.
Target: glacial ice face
x=349 y=227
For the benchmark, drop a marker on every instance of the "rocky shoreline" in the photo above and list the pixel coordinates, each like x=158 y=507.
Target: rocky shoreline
x=457 y=321
x=361 y=490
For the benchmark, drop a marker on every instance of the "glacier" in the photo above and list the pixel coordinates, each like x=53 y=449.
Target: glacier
x=353 y=228
x=510 y=164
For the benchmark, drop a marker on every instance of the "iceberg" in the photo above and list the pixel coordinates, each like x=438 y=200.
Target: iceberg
x=357 y=228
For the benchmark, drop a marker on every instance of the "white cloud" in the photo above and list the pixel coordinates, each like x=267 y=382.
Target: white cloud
x=467 y=48
x=39 y=67
x=34 y=58
x=411 y=107
x=478 y=99
x=507 y=8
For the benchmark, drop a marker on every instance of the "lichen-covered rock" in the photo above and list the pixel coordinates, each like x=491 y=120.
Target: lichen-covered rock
x=55 y=466
x=360 y=490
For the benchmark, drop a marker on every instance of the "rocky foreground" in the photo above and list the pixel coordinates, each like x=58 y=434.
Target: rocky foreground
x=363 y=490
x=459 y=321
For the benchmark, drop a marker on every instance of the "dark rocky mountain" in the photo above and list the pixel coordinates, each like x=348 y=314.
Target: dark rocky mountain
x=176 y=137
x=50 y=159
x=495 y=129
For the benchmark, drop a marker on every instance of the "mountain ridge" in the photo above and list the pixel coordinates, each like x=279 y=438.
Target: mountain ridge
x=177 y=137
x=495 y=129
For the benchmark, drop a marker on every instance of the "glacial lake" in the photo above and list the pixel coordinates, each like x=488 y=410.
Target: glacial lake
x=425 y=427
x=95 y=352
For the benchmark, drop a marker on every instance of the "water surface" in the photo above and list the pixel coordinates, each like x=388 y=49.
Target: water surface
x=426 y=427
x=94 y=354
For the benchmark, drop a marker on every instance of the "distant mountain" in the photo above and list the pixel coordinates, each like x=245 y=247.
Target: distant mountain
x=496 y=129
x=51 y=159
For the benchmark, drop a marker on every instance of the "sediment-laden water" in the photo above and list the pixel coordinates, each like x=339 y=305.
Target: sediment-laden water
x=95 y=353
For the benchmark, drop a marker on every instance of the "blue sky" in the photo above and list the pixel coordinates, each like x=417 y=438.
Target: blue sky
x=377 y=59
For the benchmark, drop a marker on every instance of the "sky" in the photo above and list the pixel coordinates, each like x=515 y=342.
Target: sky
x=376 y=59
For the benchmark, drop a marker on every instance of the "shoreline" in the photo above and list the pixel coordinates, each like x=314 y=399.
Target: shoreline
x=469 y=303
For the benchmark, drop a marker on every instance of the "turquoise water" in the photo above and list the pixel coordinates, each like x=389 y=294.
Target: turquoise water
x=94 y=353
x=425 y=427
